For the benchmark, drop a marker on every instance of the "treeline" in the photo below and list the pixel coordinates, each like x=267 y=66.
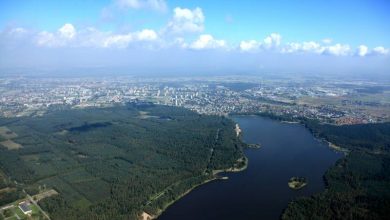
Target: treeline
x=358 y=185
x=111 y=163
x=267 y=114
x=9 y=191
x=375 y=137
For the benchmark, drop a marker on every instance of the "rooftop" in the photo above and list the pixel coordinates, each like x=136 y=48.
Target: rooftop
x=25 y=206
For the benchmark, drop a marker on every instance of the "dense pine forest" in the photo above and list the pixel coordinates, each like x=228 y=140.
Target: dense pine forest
x=115 y=163
x=358 y=185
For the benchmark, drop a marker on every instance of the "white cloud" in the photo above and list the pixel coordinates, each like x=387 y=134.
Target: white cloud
x=272 y=41
x=292 y=47
x=317 y=48
x=186 y=20
x=249 y=45
x=123 y=40
x=16 y=34
x=64 y=35
x=206 y=41
x=146 y=35
x=304 y=47
x=46 y=39
x=337 y=50
x=91 y=37
x=157 y=5
x=380 y=51
x=362 y=50
x=312 y=46
x=119 y=41
x=67 y=31
x=68 y=36
x=179 y=41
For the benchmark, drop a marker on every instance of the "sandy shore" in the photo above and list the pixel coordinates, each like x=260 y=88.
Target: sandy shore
x=337 y=148
x=238 y=130
x=146 y=216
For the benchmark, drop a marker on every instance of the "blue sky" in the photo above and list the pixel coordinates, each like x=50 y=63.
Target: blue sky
x=248 y=28
x=354 y=22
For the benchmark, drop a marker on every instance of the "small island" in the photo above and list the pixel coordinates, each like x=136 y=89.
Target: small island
x=255 y=146
x=297 y=182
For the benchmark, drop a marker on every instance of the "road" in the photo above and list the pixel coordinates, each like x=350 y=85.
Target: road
x=35 y=203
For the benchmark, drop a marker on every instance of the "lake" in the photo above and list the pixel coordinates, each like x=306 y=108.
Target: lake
x=261 y=191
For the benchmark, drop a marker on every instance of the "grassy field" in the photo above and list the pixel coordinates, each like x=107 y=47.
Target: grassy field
x=6 y=133
x=15 y=212
x=11 y=145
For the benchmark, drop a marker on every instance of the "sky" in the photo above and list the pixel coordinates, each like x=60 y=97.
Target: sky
x=190 y=37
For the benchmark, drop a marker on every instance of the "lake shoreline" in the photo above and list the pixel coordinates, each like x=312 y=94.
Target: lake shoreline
x=246 y=148
x=287 y=121
x=233 y=169
x=215 y=176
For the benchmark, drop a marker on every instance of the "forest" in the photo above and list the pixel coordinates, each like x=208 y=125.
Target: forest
x=115 y=163
x=358 y=185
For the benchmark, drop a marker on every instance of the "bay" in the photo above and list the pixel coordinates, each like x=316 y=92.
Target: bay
x=261 y=191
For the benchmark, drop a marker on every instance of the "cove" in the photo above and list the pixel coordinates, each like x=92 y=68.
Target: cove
x=261 y=191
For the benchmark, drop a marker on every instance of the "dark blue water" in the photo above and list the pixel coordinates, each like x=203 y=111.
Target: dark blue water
x=261 y=191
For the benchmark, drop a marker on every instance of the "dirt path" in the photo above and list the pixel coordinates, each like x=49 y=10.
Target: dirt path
x=212 y=151
x=40 y=209
x=45 y=194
